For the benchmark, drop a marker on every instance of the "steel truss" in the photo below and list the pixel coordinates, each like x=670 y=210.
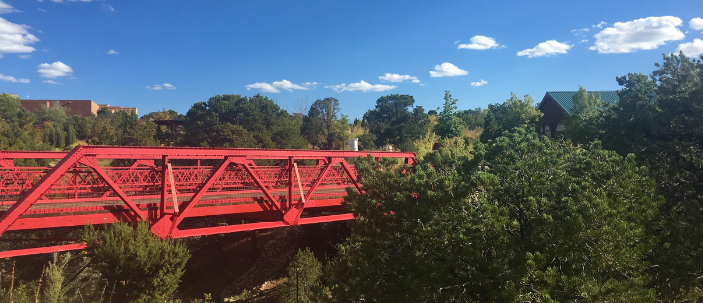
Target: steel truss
x=250 y=188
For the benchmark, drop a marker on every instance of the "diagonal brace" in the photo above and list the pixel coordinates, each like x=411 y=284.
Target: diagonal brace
x=93 y=163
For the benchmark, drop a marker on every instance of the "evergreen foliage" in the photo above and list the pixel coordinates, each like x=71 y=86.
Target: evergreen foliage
x=323 y=126
x=513 y=113
x=585 y=120
x=259 y=118
x=524 y=220
x=660 y=119
x=395 y=121
x=449 y=125
x=304 y=280
x=139 y=266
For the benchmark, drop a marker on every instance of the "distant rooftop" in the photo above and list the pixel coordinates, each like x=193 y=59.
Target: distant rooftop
x=564 y=99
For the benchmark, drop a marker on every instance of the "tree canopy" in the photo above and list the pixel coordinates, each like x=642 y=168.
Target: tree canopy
x=395 y=121
x=257 y=117
x=509 y=115
x=523 y=220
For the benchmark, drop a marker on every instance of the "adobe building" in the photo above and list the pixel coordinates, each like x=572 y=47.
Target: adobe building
x=556 y=105
x=81 y=108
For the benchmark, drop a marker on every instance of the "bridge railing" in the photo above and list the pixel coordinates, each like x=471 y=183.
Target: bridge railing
x=171 y=187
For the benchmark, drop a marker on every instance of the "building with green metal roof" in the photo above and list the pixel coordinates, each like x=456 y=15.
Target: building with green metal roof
x=556 y=105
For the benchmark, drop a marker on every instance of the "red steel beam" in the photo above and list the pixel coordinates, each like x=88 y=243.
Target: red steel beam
x=72 y=195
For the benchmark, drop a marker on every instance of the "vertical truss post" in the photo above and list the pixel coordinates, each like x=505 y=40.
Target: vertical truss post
x=291 y=192
x=164 y=192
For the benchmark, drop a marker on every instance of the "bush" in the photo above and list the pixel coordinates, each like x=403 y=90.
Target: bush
x=139 y=266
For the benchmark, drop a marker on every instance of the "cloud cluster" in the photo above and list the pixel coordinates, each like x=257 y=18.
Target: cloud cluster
x=388 y=77
x=160 y=87
x=692 y=49
x=15 y=38
x=547 y=48
x=13 y=79
x=447 y=69
x=276 y=86
x=6 y=8
x=696 y=24
x=645 y=33
x=600 y=25
x=480 y=43
x=362 y=86
x=54 y=70
x=112 y=52
x=479 y=83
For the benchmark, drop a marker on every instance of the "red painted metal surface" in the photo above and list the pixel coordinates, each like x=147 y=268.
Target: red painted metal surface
x=167 y=187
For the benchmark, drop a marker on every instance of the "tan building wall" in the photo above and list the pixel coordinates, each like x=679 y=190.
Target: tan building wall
x=81 y=108
x=114 y=109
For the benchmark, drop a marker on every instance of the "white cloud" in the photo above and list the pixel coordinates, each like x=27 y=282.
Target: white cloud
x=112 y=52
x=646 y=33
x=6 y=8
x=584 y=40
x=547 y=48
x=692 y=49
x=600 y=25
x=362 y=86
x=54 y=70
x=14 y=38
x=580 y=31
x=42 y=10
x=52 y=82
x=264 y=87
x=479 y=83
x=13 y=79
x=447 y=70
x=25 y=56
x=480 y=43
x=160 y=87
x=388 y=77
x=696 y=23
x=276 y=86
x=287 y=85
x=108 y=7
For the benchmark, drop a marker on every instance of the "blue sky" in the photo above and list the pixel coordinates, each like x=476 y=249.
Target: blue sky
x=156 y=54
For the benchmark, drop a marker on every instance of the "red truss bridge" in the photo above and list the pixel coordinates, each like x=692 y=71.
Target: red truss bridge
x=171 y=187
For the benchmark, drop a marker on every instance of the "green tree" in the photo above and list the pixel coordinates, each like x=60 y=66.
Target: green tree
x=263 y=119
x=584 y=122
x=449 y=125
x=660 y=119
x=139 y=133
x=70 y=135
x=523 y=220
x=304 y=279
x=10 y=107
x=395 y=121
x=473 y=118
x=509 y=115
x=323 y=126
x=137 y=264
